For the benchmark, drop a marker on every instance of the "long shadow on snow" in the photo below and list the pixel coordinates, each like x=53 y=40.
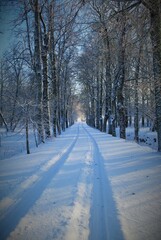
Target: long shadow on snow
x=108 y=226
x=30 y=196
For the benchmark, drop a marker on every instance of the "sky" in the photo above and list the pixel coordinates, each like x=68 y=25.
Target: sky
x=7 y=14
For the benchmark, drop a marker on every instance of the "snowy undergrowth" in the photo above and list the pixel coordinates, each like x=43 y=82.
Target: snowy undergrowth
x=147 y=138
x=14 y=143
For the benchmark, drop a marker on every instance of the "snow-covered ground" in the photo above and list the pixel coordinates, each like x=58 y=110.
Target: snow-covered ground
x=12 y=143
x=147 y=138
x=83 y=185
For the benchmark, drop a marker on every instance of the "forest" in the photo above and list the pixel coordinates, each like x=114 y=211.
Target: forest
x=94 y=60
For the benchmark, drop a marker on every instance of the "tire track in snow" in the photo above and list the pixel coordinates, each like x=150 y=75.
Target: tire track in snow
x=78 y=227
x=70 y=191
x=34 y=186
x=15 y=194
x=102 y=225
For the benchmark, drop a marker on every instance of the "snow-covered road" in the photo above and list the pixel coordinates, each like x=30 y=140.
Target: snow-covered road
x=82 y=185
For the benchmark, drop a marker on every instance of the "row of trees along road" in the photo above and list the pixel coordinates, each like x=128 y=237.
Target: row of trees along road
x=36 y=77
x=112 y=48
x=120 y=66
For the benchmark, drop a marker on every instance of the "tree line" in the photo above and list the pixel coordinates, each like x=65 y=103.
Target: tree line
x=108 y=51
x=36 y=76
x=119 y=69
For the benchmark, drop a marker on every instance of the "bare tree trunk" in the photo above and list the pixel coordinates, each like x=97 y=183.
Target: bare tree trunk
x=66 y=123
x=28 y=33
x=120 y=84
x=98 y=103
x=58 y=106
x=53 y=66
x=156 y=44
x=101 y=96
x=38 y=71
x=143 y=110
x=108 y=86
x=113 y=117
x=27 y=130
x=46 y=111
x=93 y=108
x=136 y=106
x=1 y=97
x=64 y=97
x=54 y=89
x=136 y=100
x=63 y=93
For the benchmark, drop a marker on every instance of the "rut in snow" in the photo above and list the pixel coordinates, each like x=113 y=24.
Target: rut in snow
x=102 y=225
x=25 y=200
x=83 y=185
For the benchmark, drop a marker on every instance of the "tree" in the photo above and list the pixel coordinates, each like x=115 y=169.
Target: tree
x=155 y=15
x=154 y=8
x=44 y=56
x=38 y=69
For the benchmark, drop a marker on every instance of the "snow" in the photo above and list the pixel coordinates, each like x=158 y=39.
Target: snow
x=12 y=143
x=82 y=185
x=146 y=136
